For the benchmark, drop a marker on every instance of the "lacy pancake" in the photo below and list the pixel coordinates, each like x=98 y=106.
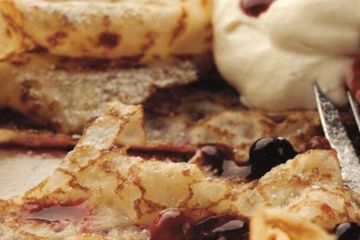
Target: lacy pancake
x=100 y=192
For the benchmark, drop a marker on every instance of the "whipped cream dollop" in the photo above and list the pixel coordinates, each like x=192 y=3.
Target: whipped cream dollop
x=273 y=53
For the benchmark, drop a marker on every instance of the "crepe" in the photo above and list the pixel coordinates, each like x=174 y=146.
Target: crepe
x=69 y=93
x=182 y=118
x=99 y=190
x=145 y=29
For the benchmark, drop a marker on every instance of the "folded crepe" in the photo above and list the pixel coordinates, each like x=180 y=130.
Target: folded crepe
x=67 y=93
x=146 y=29
x=277 y=224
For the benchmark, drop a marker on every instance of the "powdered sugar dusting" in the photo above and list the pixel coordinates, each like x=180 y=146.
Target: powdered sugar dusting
x=80 y=11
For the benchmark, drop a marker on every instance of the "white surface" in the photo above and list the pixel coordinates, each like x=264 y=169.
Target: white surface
x=22 y=170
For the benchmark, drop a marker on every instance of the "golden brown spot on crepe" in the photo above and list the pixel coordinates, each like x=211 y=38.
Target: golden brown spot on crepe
x=74 y=184
x=25 y=91
x=8 y=32
x=149 y=43
x=26 y=41
x=272 y=237
x=107 y=167
x=315 y=171
x=180 y=26
x=204 y=3
x=106 y=21
x=137 y=207
x=66 y=23
x=152 y=206
x=54 y=105
x=209 y=37
x=11 y=23
x=20 y=60
x=108 y=40
x=186 y=172
x=57 y=38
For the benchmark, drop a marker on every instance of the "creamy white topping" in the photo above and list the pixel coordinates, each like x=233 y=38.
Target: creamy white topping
x=274 y=59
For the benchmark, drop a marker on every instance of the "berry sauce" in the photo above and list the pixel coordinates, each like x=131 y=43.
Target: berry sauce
x=175 y=224
x=223 y=227
x=220 y=159
x=255 y=8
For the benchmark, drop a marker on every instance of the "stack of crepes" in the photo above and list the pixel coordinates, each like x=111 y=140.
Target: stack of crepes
x=62 y=60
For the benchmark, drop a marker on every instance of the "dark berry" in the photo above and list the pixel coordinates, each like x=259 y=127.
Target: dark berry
x=221 y=161
x=316 y=142
x=171 y=224
x=348 y=231
x=222 y=227
x=255 y=7
x=267 y=153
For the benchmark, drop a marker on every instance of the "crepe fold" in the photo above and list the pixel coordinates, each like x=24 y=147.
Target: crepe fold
x=276 y=224
x=146 y=29
x=67 y=93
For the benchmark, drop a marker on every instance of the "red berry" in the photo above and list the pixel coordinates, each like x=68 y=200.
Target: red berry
x=255 y=7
